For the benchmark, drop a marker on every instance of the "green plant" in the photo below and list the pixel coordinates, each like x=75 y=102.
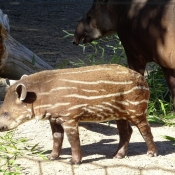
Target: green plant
x=62 y=65
x=160 y=103
x=11 y=149
x=172 y=139
x=99 y=54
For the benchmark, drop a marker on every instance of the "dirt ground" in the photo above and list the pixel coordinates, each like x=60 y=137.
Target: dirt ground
x=99 y=142
x=39 y=26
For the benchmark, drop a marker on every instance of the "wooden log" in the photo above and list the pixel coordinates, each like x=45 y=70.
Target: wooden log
x=16 y=59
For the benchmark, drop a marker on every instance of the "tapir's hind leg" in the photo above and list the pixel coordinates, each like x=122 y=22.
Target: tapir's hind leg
x=145 y=131
x=71 y=129
x=125 y=132
x=58 y=135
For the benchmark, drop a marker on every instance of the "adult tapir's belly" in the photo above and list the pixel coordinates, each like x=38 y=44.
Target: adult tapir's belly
x=166 y=50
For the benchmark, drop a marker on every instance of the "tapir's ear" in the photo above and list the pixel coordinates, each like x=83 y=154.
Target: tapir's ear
x=23 y=76
x=21 y=91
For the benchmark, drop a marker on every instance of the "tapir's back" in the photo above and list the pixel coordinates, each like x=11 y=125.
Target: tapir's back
x=100 y=75
x=87 y=81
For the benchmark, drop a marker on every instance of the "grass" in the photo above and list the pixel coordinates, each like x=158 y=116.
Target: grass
x=160 y=109
x=172 y=139
x=11 y=149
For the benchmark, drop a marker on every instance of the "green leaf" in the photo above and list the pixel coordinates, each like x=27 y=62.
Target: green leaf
x=11 y=162
x=43 y=157
x=169 y=117
x=155 y=119
x=94 y=42
x=67 y=34
x=162 y=107
x=23 y=140
x=169 y=138
x=33 y=148
x=33 y=60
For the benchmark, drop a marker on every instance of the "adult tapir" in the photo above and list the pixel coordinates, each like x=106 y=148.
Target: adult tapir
x=146 y=29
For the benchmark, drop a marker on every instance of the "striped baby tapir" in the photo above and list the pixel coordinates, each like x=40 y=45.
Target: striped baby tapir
x=87 y=94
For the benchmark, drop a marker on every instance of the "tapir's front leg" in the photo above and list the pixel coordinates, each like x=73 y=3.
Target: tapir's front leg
x=71 y=129
x=58 y=135
x=125 y=132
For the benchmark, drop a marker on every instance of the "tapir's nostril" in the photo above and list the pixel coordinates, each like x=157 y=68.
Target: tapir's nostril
x=3 y=128
x=75 y=42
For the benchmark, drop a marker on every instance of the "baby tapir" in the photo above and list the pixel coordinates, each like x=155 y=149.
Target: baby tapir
x=88 y=94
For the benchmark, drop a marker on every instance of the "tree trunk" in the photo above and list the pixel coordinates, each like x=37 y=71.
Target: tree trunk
x=16 y=59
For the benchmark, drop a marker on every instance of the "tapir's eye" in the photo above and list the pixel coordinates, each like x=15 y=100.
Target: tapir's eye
x=5 y=114
x=89 y=19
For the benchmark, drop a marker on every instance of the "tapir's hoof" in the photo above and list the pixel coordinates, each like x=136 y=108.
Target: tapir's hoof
x=152 y=153
x=72 y=162
x=119 y=156
x=53 y=157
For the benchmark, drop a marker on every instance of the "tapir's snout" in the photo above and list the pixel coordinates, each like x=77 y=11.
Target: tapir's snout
x=86 y=31
x=75 y=41
x=79 y=33
x=3 y=127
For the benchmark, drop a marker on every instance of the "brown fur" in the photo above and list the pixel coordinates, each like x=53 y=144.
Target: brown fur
x=66 y=97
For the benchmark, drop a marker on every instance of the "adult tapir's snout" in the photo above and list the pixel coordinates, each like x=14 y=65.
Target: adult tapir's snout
x=86 y=30
x=79 y=34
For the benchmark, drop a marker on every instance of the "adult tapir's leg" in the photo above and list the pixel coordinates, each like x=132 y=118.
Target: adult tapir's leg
x=124 y=128
x=137 y=63
x=170 y=78
x=58 y=135
x=71 y=129
x=125 y=132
